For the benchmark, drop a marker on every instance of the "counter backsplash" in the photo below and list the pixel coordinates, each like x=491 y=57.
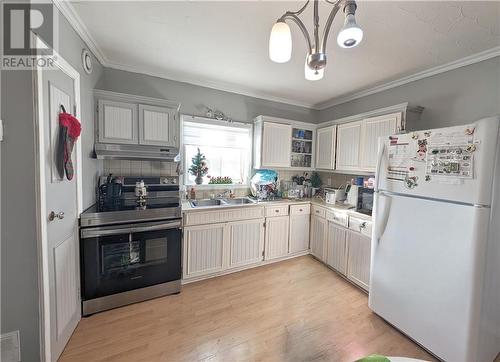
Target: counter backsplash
x=139 y=168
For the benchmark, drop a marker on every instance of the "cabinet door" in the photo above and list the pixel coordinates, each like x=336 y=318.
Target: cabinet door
x=299 y=233
x=276 y=144
x=336 y=250
x=276 y=237
x=246 y=242
x=348 y=146
x=117 y=122
x=157 y=126
x=358 y=261
x=318 y=237
x=373 y=128
x=325 y=147
x=203 y=249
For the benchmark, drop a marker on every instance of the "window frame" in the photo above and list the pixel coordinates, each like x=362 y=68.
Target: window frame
x=215 y=122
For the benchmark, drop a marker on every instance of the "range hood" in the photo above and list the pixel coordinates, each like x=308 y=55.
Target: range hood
x=108 y=151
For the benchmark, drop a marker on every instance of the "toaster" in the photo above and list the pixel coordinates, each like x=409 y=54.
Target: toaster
x=333 y=196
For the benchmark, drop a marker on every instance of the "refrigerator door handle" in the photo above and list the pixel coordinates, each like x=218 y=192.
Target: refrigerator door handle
x=384 y=216
x=379 y=163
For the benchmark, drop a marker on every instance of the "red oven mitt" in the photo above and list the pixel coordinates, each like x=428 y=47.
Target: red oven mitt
x=70 y=131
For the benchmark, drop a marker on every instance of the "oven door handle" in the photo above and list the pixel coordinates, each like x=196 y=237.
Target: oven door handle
x=90 y=233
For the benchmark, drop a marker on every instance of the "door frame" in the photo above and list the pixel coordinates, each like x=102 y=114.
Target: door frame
x=40 y=167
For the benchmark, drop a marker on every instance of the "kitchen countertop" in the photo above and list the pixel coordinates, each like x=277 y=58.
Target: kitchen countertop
x=186 y=206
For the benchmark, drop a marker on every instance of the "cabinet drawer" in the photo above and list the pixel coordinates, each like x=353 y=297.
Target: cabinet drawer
x=337 y=217
x=300 y=209
x=318 y=211
x=361 y=226
x=276 y=211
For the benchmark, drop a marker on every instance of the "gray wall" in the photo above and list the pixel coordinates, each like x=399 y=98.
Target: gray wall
x=193 y=98
x=19 y=267
x=455 y=97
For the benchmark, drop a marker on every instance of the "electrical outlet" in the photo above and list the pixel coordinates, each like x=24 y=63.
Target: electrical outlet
x=1 y=130
x=329 y=181
x=10 y=347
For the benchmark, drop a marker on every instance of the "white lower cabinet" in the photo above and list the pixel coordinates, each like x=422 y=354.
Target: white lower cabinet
x=336 y=248
x=203 y=249
x=318 y=236
x=213 y=248
x=276 y=237
x=358 y=260
x=246 y=242
x=299 y=233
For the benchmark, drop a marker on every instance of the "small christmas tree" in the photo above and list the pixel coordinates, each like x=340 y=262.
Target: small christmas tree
x=198 y=167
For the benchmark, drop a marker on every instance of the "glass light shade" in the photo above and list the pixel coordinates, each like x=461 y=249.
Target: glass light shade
x=313 y=74
x=280 y=43
x=351 y=34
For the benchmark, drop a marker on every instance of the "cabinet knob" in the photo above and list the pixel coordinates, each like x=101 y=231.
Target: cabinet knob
x=276 y=210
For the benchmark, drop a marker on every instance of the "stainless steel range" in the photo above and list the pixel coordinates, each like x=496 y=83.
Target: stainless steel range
x=130 y=242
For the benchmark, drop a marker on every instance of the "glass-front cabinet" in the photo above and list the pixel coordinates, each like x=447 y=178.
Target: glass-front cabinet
x=302 y=148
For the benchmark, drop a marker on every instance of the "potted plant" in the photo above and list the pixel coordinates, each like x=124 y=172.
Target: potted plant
x=315 y=182
x=198 y=167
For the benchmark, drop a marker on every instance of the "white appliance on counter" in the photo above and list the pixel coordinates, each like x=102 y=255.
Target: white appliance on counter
x=435 y=260
x=333 y=196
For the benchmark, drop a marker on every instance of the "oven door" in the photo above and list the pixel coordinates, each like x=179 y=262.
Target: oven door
x=119 y=258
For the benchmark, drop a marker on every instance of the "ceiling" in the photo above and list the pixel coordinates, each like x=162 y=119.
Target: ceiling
x=224 y=44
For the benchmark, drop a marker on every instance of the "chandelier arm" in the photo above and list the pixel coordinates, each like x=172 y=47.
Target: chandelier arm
x=298 y=12
x=316 y=26
x=302 y=27
x=328 y=24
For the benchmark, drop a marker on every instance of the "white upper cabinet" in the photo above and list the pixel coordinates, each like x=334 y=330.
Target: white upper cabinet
x=117 y=122
x=348 y=146
x=276 y=141
x=325 y=147
x=157 y=126
x=130 y=119
x=373 y=128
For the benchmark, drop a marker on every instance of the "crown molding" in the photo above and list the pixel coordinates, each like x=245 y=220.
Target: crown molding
x=76 y=22
x=471 y=59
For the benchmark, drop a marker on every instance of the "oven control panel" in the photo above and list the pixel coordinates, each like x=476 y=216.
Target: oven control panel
x=169 y=180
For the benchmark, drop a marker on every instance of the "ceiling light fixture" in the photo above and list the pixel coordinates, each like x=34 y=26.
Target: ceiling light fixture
x=280 y=41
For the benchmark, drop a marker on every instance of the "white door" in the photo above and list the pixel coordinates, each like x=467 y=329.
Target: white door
x=246 y=242
x=318 y=237
x=358 y=260
x=276 y=237
x=276 y=144
x=373 y=128
x=157 y=126
x=348 y=146
x=118 y=122
x=336 y=251
x=325 y=147
x=299 y=233
x=60 y=213
x=203 y=249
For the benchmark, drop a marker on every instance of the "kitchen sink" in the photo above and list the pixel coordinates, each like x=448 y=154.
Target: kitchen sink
x=239 y=201
x=222 y=202
x=201 y=203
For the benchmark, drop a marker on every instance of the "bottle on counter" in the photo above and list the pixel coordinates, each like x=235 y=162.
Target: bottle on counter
x=192 y=194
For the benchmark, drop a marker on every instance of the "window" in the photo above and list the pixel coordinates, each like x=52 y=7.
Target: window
x=227 y=148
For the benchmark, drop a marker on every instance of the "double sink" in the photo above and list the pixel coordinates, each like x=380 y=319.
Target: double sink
x=222 y=202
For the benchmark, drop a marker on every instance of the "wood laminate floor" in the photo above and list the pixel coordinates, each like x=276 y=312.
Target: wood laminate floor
x=296 y=310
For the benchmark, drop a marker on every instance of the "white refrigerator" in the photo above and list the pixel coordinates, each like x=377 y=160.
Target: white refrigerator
x=435 y=259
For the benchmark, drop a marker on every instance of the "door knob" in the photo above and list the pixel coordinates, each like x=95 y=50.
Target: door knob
x=53 y=215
